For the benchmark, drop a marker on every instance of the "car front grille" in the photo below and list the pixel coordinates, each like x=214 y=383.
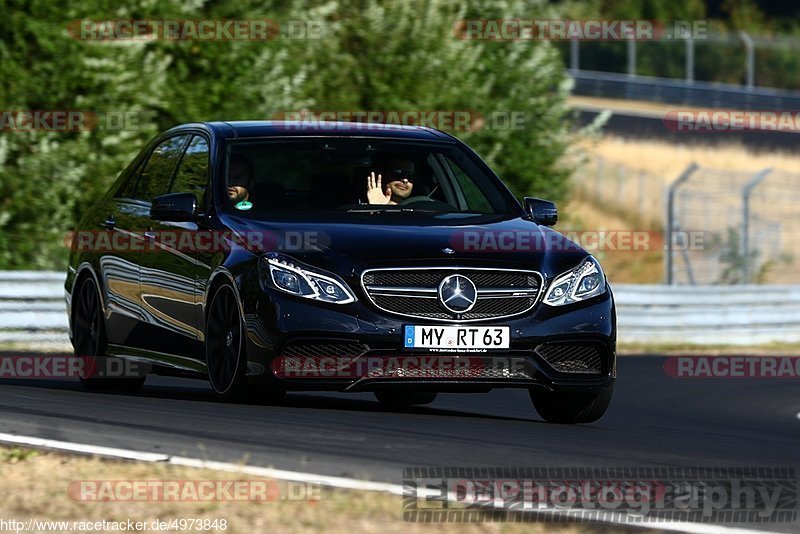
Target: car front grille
x=585 y=358
x=323 y=349
x=475 y=369
x=414 y=292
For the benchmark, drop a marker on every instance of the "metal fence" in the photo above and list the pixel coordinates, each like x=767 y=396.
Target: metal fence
x=32 y=313
x=726 y=227
x=750 y=222
x=717 y=59
x=671 y=91
x=635 y=194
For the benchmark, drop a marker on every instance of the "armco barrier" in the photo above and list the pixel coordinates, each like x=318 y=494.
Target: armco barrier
x=32 y=307
x=32 y=310
x=719 y=315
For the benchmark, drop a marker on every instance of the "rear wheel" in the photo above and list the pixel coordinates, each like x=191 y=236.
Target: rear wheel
x=399 y=399
x=571 y=408
x=89 y=340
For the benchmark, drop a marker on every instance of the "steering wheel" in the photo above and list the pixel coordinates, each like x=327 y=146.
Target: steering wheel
x=418 y=198
x=427 y=203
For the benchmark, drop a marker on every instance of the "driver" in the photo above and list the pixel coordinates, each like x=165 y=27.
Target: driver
x=399 y=174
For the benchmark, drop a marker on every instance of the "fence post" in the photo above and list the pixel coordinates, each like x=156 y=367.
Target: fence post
x=670 y=218
x=631 y=57
x=750 y=61
x=574 y=55
x=746 y=192
x=689 y=59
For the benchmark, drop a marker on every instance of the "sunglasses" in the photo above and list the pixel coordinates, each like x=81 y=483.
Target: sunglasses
x=238 y=178
x=400 y=174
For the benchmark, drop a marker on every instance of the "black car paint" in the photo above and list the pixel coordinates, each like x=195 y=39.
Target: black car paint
x=155 y=303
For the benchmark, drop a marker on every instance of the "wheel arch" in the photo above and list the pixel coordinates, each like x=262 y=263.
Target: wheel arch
x=218 y=277
x=84 y=271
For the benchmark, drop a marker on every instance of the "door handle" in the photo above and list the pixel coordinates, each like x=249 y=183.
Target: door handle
x=111 y=222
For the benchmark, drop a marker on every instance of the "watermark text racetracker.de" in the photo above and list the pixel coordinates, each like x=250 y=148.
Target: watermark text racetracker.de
x=574 y=240
x=194 y=241
x=520 y=29
x=725 y=121
x=208 y=241
x=192 y=490
x=437 y=365
x=73 y=120
x=446 y=120
x=720 y=495
x=111 y=30
x=733 y=366
x=60 y=366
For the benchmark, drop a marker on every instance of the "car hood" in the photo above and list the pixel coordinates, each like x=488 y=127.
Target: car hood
x=349 y=243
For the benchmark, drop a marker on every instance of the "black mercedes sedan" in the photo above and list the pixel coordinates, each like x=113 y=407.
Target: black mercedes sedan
x=275 y=256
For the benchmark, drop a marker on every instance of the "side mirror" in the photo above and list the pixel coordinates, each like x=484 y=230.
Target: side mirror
x=541 y=211
x=174 y=207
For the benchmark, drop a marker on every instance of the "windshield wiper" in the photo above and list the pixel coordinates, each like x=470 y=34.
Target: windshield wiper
x=377 y=209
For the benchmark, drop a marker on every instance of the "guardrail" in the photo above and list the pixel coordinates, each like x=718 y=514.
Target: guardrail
x=32 y=307
x=718 y=315
x=679 y=92
x=32 y=311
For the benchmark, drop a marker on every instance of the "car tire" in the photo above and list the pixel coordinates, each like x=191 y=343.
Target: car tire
x=224 y=345
x=399 y=399
x=571 y=408
x=90 y=342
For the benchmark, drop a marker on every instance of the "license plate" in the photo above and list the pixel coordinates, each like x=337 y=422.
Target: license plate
x=457 y=337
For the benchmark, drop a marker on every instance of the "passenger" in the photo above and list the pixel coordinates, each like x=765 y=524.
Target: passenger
x=241 y=174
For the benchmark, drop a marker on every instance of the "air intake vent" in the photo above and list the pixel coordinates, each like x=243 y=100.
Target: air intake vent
x=585 y=358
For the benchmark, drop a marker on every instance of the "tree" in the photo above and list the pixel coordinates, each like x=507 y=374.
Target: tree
x=372 y=55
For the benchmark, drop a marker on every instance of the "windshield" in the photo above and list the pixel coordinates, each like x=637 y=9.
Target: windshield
x=357 y=175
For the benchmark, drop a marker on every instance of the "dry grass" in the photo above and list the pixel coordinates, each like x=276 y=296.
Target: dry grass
x=621 y=266
x=35 y=486
x=640 y=106
x=669 y=160
x=624 y=181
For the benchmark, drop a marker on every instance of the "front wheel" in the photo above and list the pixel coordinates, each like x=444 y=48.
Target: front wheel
x=400 y=399
x=571 y=408
x=226 y=352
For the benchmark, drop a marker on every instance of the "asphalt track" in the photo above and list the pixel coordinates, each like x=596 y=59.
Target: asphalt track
x=653 y=421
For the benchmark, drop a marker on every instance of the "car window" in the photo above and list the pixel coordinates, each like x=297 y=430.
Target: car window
x=155 y=177
x=127 y=183
x=192 y=173
x=474 y=197
x=125 y=189
x=333 y=175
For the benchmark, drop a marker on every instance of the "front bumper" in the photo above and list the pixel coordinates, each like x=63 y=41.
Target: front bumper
x=356 y=347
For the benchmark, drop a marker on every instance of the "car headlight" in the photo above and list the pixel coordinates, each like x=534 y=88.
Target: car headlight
x=290 y=276
x=583 y=282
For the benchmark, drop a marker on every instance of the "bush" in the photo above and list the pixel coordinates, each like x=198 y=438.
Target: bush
x=373 y=55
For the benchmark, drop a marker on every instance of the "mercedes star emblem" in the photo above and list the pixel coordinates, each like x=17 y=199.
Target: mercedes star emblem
x=457 y=293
